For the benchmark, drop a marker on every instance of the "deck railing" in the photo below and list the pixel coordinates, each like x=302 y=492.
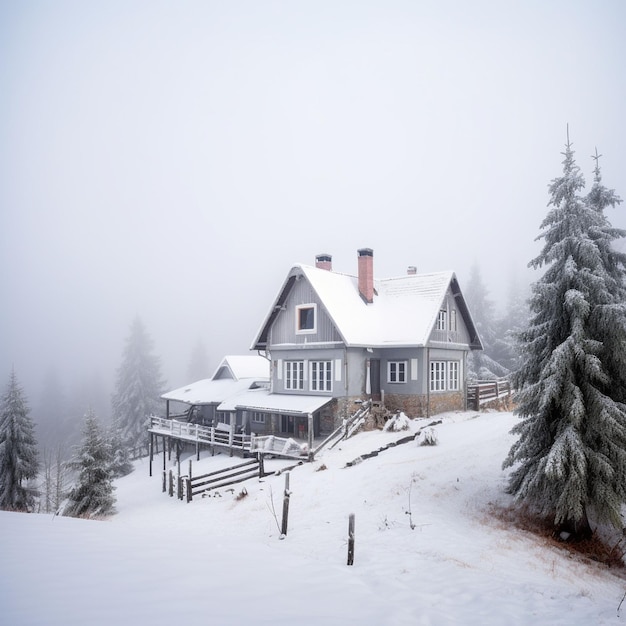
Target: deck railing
x=220 y=435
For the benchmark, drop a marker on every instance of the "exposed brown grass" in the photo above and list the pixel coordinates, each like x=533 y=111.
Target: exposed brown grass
x=606 y=549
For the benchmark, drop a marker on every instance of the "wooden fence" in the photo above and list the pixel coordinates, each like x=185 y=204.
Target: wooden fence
x=483 y=391
x=189 y=486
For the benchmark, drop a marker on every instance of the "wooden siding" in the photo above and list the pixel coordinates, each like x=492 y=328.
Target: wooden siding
x=284 y=327
x=461 y=335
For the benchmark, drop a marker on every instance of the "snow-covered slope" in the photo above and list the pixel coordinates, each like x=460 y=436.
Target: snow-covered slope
x=219 y=560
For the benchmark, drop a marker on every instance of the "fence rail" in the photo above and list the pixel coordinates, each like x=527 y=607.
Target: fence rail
x=195 y=485
x=486 y=390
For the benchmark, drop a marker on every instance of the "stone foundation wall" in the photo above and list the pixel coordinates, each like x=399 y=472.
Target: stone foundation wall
x=417 y=406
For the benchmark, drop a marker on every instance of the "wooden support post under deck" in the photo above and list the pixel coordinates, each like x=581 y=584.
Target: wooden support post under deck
x=310 y=418
x=151 y=451
x=164 y=461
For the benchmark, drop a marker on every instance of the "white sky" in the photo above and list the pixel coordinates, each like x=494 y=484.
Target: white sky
x=173 y=160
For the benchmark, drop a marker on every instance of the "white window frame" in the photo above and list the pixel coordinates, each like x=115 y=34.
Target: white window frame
x=321 y=375
x=258 y=417
x=453 y=321
x=306 y=331
x=444 y=376
x=442 y=319
x=294 y=375
x=452 y=378
x=397 y=371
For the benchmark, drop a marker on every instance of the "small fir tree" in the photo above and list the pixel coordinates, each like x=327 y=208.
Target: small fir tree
x=570 y=455
x=19 y=462
x=138 y=388
x=92 y=495
x=121 y=464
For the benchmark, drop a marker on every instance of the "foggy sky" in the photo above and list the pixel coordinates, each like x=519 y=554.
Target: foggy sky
x=174 y=160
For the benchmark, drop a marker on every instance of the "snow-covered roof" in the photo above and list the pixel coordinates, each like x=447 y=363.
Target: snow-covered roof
x=244 y=366
x=403 y=313
x=209 y=391
x=263 y=400
x=235 y=373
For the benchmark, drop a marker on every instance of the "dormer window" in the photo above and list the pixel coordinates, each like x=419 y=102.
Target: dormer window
x=306 y=318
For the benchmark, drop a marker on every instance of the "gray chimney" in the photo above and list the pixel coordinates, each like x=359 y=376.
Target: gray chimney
x=411 y=270
x=324 y=262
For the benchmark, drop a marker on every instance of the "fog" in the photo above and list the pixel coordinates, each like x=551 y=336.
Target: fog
x=174 y=160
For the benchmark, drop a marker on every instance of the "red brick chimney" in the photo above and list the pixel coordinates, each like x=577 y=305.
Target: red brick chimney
x=366 y=274
x=324 y=262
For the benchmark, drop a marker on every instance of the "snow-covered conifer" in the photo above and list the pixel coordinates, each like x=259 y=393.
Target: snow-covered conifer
x=569 y=461
x=138 y=387
x=19 y=462
x=481 y=364
x=92 y=495
x=121 y=464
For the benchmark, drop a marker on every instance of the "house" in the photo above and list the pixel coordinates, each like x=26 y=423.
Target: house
x=335 y=340
x=329 y=343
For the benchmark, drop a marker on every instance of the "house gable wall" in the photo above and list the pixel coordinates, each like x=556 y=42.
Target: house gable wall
x=283 y=331
x=450 y=335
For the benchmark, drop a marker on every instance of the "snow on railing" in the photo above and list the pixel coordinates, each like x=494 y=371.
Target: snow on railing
x=220 y=435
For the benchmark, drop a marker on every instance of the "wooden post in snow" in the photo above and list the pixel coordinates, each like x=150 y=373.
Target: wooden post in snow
x=151 y=451
x=351 y=539
x=286 y=496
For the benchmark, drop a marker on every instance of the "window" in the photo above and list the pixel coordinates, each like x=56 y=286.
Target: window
x=437 y=375
x=453 y=326
x=222 y=417
x=442 y=319
x=321 y=376
x=306 y=318
x=258 y=418
x=453 y=375
x=444 y=375
x=396 y=371
x=294 y=374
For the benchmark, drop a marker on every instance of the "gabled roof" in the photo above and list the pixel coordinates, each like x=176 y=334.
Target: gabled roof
x=233 y=375
x=240 y=366
x=403 y=313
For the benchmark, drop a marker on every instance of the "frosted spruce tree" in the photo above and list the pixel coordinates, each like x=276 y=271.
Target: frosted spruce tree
x=92 y=495
x=138 y=387
x=19 y=462
x=569 y=462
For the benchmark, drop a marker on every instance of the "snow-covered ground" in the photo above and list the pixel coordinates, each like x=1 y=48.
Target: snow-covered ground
x=220 y=560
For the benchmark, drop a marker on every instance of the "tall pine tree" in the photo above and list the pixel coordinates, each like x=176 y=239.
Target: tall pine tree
x=92 y=495
x=19 y=461
x=138 y=388
x=570 y=458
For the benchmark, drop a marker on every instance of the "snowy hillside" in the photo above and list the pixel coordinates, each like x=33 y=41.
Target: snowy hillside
x=219 y=560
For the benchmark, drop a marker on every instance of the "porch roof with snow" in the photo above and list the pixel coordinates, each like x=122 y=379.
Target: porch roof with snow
x=262 y=399
x=403 y=313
